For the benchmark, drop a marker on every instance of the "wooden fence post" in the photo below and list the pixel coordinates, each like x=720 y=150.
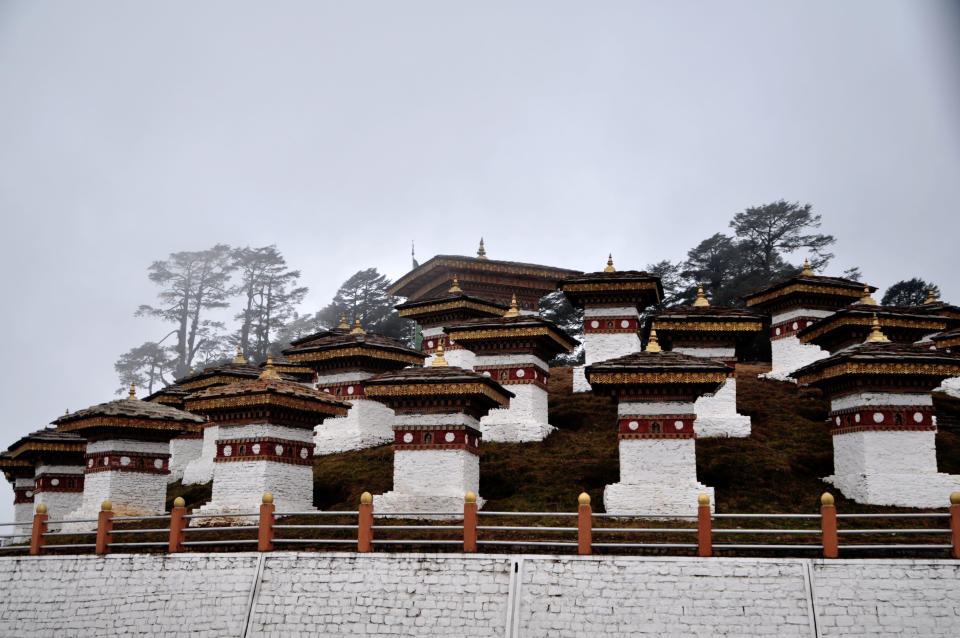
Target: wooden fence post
x=365 y=523
x=177 y=525
x=265 y=531
x=104 y=527
x=37 y=538
x=470 y=522
x=828 y=525
x=584 y=525
x=704 y=521
x=955 y=523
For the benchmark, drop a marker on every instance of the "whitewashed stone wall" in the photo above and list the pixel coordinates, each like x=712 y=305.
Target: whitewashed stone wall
x=367 y=424
x=600 y=347
x=717 y=414
x=950 y=387
x=789 y=354
x=238 y=486
x=475 y=595
x=430 y=481
x=525 y=419
x=183 y=452
x=59 y=503
x=200 y=469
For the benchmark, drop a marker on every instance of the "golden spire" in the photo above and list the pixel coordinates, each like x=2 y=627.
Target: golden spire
x=456 y=285
x=269 y=372
x=357 y=328
x=191 y=371
x=481 y=252
x=609 y=267
x=343 y=322
x=930 y=297
x=133 y=391
x=439 y=360
x=701 y=298
x=876 y=335
x=67 y=413
x=806 y=268
x=514 y=311
x=239 y=358
x=653 y=345
x=866 y=299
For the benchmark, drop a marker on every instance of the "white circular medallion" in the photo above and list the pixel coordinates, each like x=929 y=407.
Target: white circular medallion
x=918 y=416
x=535 y=375
x=521 y=373
x=55 y=482
x=124 y=461
x=349 y=389
x=633 y=425
x=279 y=450
x=90 y=463
x=429 y=344
x=304 y=453
x=486 y=373
x=450 y=340
x=327 y=390
x=158 y=463
x=837 y=420
x=678 y=425
x=106 y=460
x=227 y=450
x=778 y=331
x=594 y=324
x=407 y=438
x=878 y=417
x=29 y=494
x=795 y=325
x=449 y=437
x=255 y=448
x=856 y=417
x=625 y=324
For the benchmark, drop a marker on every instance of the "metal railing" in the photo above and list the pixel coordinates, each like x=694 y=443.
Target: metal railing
x=734 y=534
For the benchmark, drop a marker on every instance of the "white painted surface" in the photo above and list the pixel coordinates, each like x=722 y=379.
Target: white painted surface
x=867 y=399
x=525 y=420
x=128 y=445
x=950 y=386
x=200 y=469
x=59 y=503
x=457 y=358
x=130 y=493
x=598 y=346
x=648 y=408
x=341 y=377
x=717 y=414
x=367 y=424
x=580 y=383
x=611 y=311
x=707 y=353
x=182 y=452
x=350 y=594
x=799 y=312
x=430 y=481
x=789 y=354
x=512 y=360
x=455 y=418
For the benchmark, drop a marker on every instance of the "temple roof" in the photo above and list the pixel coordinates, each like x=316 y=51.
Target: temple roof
x=881 y=358
x=267 y=386
x=620 y=283
x=846 y=289
x=448 y=299
x=947 y=338
x=370 y=342
x=10 y=466
x=852 y=323
x=658 y=362
x=128 y=409
x=47 y=439
x=506 y=327
x=436 y=379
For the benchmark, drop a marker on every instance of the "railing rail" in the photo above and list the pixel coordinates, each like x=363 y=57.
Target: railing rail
x=364 y=529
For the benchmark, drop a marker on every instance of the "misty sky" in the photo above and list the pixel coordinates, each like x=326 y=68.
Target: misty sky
x=340 y=131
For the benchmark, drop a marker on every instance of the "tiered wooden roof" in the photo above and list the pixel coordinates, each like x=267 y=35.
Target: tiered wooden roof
x=49 y=444
x=354 y=350
x=515 y=334
x=704 y=325
x=657 y=375
x=807 y=290
x=448 y=308
x=947 y=340
x=851 y=325
x=613 y=288
x=128 y=417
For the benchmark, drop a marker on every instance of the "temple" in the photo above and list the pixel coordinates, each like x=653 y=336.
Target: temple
x=19 y=473
x=882 y=420
x=850 y=326
x=436 y=449
x=708 y=332
x=655 y=393
x=55 y=460
x=794 y=304
x=264 y=441
x=612 y=301
x=514 y=350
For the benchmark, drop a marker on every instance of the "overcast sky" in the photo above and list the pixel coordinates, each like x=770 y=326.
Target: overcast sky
x=340 y=131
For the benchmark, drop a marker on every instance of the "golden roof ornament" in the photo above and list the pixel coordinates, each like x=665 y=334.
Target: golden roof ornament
x=133 y=391
x=239 y=358
x=701 y=301
x=456 y=285
x=439 y=360
x=653 y=345
x=514 y=311
x=343 y=322
x=609 y=267
x=866 y=299
x=876 y=334
x=806 y=268
x=930 y=297
x=481 y=252
x=357 y=328
x=269 y=372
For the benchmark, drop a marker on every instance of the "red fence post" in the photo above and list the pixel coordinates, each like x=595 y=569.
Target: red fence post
x=177 y=525
x=104 y=527
x=955 y=523
x=828 y=525
x=470 y=522
x=365 y=523
x=37 y=538
x=704 y=521
x=265 y=531
x=584 y=525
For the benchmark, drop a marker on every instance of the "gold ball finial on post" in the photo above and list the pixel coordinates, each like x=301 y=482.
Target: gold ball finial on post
x=583 y=499
x=41 y=509
x=826 y=499
x=106 y=506
x=469 y=497
x=267 y=498
x=703 y=500
x=955 y=498
x=179 y=502
x=366 y=498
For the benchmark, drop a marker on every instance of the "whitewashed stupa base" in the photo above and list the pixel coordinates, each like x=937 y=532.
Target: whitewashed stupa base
x=900 y=490
x=367 y=424
x=200 y=470
x=182 y=453
x=655 y=499
x=717 y=414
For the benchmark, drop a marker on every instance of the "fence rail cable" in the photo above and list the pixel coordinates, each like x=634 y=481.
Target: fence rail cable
x=160 y=517
x=227 y=528
x=160 y=530
x=316 y=527
x=306 y=541
x=893 y=531
x=237 y=515
x=319 y=513
x=144 y=544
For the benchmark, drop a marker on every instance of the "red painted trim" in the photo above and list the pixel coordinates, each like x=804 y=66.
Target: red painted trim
x=265 y=449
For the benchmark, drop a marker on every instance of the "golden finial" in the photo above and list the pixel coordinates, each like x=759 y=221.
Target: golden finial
x=133 y=391
x=653 y=345
x=481 y=252
x=191 y=371
x=876 y=335
x=41 y=509
x=826 y=499
x=703 y=500
x=701 y=298
x=67 y=413
x=583 y=499
x=439 y=360
x=366 y=498
x=239 y=358
x=456 y=285
x=267 y=498
x=469 y=497
x=343 y=322
x=179 y=502
x=609 y=267
x=866 y=299
x=806 y=268
x=930 y=297
x=955 y=498
x=106 y=506
x=357 y=328
x=514 y=311
x=269 y=372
